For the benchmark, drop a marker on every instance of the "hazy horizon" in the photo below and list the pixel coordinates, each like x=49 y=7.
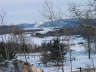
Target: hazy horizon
x=28 y=11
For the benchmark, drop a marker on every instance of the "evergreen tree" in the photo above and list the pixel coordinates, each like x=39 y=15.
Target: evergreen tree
x=55 y=53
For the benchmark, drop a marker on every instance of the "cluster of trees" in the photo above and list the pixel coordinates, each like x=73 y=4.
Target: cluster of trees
x=87 y=29
x=54 y=53
x=12 y=41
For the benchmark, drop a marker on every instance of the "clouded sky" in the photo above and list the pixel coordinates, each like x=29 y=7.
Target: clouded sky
x=20 y=11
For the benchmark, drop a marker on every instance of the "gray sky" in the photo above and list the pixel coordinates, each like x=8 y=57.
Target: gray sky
x=22 y=11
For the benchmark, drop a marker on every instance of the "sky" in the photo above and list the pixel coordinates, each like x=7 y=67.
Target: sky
x=29 y=11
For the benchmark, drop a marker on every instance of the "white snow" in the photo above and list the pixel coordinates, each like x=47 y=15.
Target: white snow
x=81 y=57
x=78 y=52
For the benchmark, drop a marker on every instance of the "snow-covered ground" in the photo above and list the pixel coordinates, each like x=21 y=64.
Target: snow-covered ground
x=81 y=57
x=64 y=39
x=78 y=52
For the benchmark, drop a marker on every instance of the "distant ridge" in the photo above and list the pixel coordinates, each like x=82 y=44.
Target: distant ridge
x=74 y=22
x=61 y=23
x=26 y=25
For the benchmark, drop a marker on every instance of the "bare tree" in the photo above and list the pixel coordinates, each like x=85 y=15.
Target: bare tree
x=86 y=17
x=51 y=13
x=85 y=20
x=2 y=18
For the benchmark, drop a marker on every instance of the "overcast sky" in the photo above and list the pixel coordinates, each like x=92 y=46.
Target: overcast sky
x=22 y=11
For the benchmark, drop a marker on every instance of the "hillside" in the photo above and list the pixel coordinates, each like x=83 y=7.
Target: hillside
x=61 y=23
